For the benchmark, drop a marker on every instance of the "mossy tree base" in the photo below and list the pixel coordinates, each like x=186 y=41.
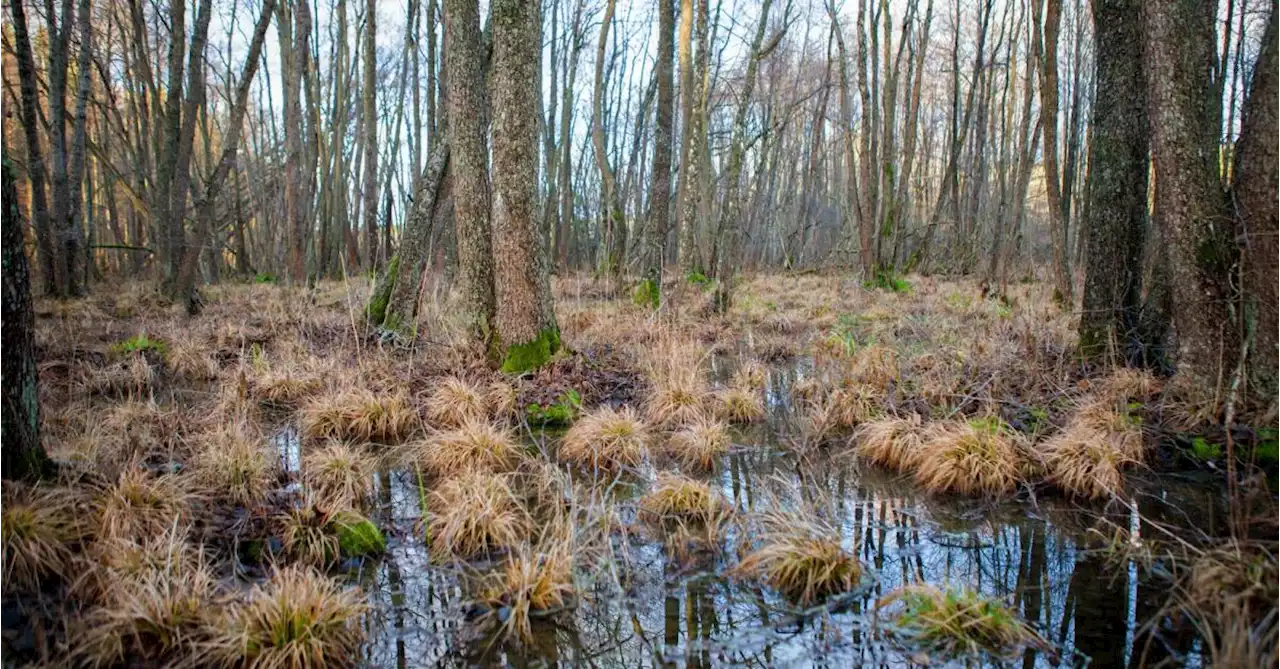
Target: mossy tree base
x=521 y=358
x=648 y=294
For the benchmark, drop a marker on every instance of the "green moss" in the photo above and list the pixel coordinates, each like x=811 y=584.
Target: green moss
x=562 y=412
x=1205 y=450
x=359 y=537
x=698 y=279
x=377 y=308
x=887 y=280
x=521 y=358
x=140 y=342
x=648 y=293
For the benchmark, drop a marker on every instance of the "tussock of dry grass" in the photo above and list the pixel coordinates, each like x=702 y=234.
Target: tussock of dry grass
x=750 y=375
x=1087 y=457
x=607 y=439
x=1230 y=594
x=139 y=504
x=338 y=474
x=681 y=498
x=283 y=388
x=309 y=532
x=296 y=620
x=359 y=414
x=235 y=463
x=960 y=622
x=131 y=377
x=38 y=529
x=456 y=402
x=700 y=444
x=474 y=513
x=476 y=445
x=875 y=366
x=975 y=457
x=802 y=558
x=189 y=360
x=739 y=404
x=678 y=389
x=893 y=443
x=854 y=404
x=530 y=583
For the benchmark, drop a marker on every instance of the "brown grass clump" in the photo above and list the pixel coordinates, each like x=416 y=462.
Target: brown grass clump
x=975 y=457
x=531 y=583
x=236 y=464
x=313 y=534
x=960 y=622
x=607 y=439
x=500 y=398
x=700 y=444
x=131 y=377
x=853 y=405
x=359 y=414
x=139 y=504
x=162 y=617
x=893 y=443
x=473 y=513
x=38 y=528
x=298 y=619
x=284 y=389
x=803 y=559
x=456 y=402
x=1230 y=594
x=875 y=366
x=476 y=445
x=1087 y=457
x=750 y=375
x=680 y=498
x=677 y=386
x=338 y=474
x=739 y=404
x=188 y=360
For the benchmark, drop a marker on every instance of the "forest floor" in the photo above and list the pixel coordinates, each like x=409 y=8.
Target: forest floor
x=876 y=474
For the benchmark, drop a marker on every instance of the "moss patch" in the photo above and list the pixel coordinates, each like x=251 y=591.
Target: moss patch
x=377 y=309
x=562 y=412
x=359 y=537
x=647 y=294
x=140 y=343
x=521 y=358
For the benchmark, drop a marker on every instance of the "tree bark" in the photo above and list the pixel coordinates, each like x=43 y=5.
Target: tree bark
x=1117 y=221
x=1048 y=56
x=1190 y=207
x=1253 y=192
x=368 y=97
x=466 y=102
x=660 y=190
x=35 y=156
x=615 y=219
x=21 y=455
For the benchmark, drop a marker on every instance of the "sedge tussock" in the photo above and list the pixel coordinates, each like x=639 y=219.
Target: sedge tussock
x=455 y=402
x=339 y=473
x=853 y=405
x=283 y=388
x=750 y=375
x=681 y=498
x=38 y=529
x=699 y=444
x=163 y=617
x=801 y=558
x=531 y=583
x=1087 y=457
x=607 y=439
x=235 y=463
x=298 y=619
x=875 y=366
x=678 y=388
x=309 y=532
x=500 y=400
x=892 y=443
x=359 y=414
x=960 y=622
x=739 y=404
x=189 y=360
x=129 y=378
x=139 y=504
x=476 y=445
x=976 y=457
x=475 y=513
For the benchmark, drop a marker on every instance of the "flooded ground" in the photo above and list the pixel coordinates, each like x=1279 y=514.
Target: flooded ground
x=1053 y=561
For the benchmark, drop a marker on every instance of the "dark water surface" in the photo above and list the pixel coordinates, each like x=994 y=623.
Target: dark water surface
x=1044 y=556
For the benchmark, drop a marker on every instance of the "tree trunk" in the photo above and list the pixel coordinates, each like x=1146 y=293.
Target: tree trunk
x=615 y=219
x=1048 y=56
x=525 y=319
x=1254 y=193
x=464 y=65
x=35 y=157
x=1117 y=221
x=1190 y=208
x=21 y=455
x=660 y=193
x=368 y=97
x=691 y=167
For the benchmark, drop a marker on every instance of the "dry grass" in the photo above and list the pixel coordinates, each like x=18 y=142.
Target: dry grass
x=1087 y=457
x=456 y=402
x=893 y=443
x=298 y=619
x=974 y=457
x=700 y=444
x=675 y=497
x=283 y=388
x=854 y=404
x=359 y=414
x=801 y=558
x=39 y=529
x=189 y=360
x=309 y=533
x=739 y=404
x=678 y=389
x=875 y=366
x=339 y=474
x=960 y=622
x=140 y=504
x=235 y=463
x=531 y=582
x=607 y=439
x=475 y=513
x=132 y=377
x=476 y=445
x=750 y=375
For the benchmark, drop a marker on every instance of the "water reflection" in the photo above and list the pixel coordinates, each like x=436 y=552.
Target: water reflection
x=1033 y=555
